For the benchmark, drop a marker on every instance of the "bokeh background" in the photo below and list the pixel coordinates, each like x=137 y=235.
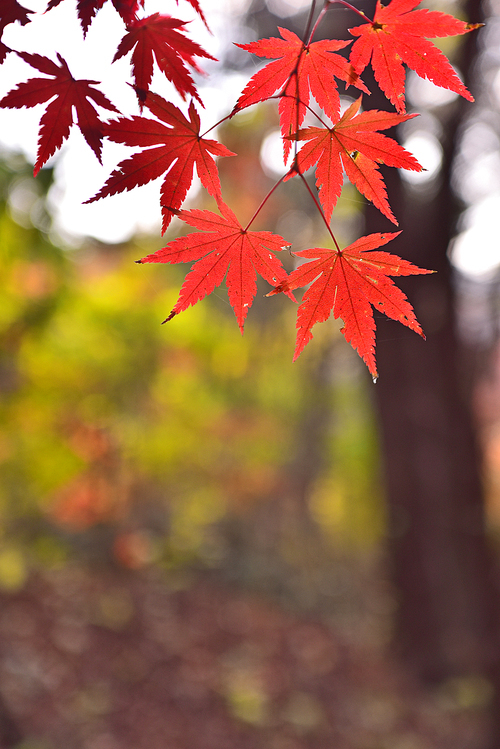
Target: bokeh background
x=203 y=545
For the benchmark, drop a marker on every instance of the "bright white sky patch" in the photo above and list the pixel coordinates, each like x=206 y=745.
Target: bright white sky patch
x=285 y=8
x=476 y=251
x=423 y=93
x=271 y=155
x=427 y=150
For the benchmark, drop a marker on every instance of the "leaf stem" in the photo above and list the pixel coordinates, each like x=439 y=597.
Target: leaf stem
x=351 y=7
x=227 y=117
x=319 y=209
x=261 y=206
x=327 y=4
x=318 y=21
x=294 y=75
x=307 y=30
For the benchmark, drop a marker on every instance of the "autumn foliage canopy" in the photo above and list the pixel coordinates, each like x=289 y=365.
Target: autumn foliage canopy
x=301 y=76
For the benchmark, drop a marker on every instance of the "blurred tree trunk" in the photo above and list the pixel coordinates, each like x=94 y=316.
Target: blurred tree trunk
x=10 y=734
x=440 y=558
x=447 y=612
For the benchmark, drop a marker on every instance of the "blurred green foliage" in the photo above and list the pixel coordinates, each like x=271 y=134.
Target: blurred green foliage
x=134 y=442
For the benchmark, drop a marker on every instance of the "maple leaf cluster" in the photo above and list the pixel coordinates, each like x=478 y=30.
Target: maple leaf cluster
x=159 y=38
x=346 y=283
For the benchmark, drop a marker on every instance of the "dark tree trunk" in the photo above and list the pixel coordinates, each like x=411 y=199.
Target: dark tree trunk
x=441 y=563
x=447 y=610
x=10 y=734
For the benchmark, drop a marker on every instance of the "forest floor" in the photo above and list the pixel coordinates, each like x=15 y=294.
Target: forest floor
x=137 y=660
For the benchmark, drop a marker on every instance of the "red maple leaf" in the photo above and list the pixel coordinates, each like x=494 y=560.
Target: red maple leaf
x=158 y=38
x=87 y=9
x=301 y=70
x=179 y=148
x=58 y=117
x=397 y=35
x=4 y=51
x=196 y=6
x=11 y=11
x=223 y=248
x=354 y=144
x=350 y=282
